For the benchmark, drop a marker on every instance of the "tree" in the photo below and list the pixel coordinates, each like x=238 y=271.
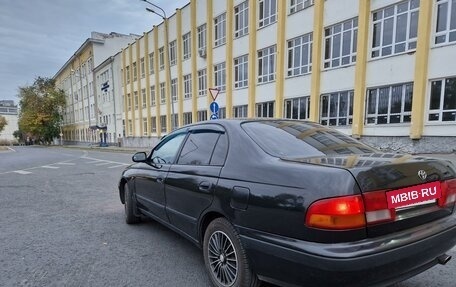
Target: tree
x=3 y=123
x=40 y=106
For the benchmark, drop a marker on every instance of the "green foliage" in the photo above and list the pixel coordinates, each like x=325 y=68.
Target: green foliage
x=40 y=106
x=3 y=123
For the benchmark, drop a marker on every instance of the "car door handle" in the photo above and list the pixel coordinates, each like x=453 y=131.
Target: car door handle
x=160 y=180
x=205 y=186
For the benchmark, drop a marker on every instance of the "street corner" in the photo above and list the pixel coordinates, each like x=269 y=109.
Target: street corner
x=4 y=149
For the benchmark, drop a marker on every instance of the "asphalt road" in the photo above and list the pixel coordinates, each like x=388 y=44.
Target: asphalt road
x=62 y=224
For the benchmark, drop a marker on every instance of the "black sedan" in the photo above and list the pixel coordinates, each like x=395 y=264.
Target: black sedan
x=295 y=203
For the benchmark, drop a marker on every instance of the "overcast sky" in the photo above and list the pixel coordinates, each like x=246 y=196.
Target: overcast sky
x=37 y=37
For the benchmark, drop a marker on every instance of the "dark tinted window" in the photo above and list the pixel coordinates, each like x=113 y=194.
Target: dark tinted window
x=167 y=150
x=218 y=158
x=198 y=148
x=301 y=139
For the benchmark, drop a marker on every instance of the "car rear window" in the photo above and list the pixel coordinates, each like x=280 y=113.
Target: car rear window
x=291 y=139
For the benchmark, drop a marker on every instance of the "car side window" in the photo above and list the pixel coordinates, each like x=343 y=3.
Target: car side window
x=220 y=151
x=166 y=152
x=198 y=148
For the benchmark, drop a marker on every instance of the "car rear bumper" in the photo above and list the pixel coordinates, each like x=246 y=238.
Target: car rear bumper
x=372 y=262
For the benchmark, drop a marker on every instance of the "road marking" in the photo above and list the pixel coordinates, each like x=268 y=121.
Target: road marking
x=114 y=166
x=94 y=161
x=102 y=163
x=21 y=172
x=50 y=166
x=66 y=163
x=11 y=149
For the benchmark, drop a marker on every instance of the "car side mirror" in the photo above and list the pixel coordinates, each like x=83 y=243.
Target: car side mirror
x=139 y=157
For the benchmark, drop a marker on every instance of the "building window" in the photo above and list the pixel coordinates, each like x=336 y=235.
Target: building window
x=340 y=44
x=174 y=90
x=152 y=96
x=220 y=30
x=241 y=19
x=188 y=86
x=174 y=121
x=267 y=12
x=163 y=124
x=395 y=29
x=337 y=109
x=298 y=5
x=135 y=72
x=130 y=128
x=297 y=108
x=186 y=42
x=161 y=58
x=442 y=104
x=187 y=118
x=129 y=102
x=222 y=113
x=265 y=110
x=172 y=53
x=202 y=37
x=153 y=124
x=136 y=100
x=145 y=129
x=240 y=111
x=151 y=63
x=241 y=71
x=162 y=93
x=202 y=116
x=220 y=76
x=127 y=74
x=144 y=98
x=300 y=55
x=266 y=64
x=202 y=83
x=445 y=31
x=389 y=105
x=143 y=69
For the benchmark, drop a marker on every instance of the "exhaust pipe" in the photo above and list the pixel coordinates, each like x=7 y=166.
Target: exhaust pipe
x=443 y=259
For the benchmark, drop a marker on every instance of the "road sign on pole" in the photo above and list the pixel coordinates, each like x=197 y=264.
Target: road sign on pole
x=214 y=93
x=214 y=107
x=214 y=117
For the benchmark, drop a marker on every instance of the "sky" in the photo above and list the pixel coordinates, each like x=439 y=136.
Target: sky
x=37 y=37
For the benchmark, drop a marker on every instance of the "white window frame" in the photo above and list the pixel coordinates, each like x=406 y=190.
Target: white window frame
x=152 y=96
x=298 y=5
x=265 y=109
x=447 y=34
x=144 y=98
x=145 y=127
x=163 y=123
x=187 y=118
x=161 y=58
x=188 y=86
x=380 y=49
x=241 y=72
x=136 y=99
x=135 y=72
x=202 y=116
x=267 y=64
x=172 y=53
x=267 y=12
x=336 y=37
x=153 y=124
x=174 y=95
x=340 y=119
x=127 y=75
x=202 y=83
x=297 y=108
x=143 y=68
x=202 y=40
x=162 y=93
x=300 y=55
x=220 y=76
x=241 y=19
x=129 y=102
x=186 y=46
x=220 y=30
x=441 y=110
x=151 y=63
x=372 y=118
x=240 y=111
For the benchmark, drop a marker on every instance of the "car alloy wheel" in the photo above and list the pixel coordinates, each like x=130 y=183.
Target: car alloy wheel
x=223 y=258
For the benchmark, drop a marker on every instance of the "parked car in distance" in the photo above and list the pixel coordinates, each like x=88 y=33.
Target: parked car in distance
x=295 y=203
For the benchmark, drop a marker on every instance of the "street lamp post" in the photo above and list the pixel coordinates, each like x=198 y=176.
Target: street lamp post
x=167 y=53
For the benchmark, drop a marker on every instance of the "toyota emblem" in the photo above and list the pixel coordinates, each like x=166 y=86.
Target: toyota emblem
x=422 y=174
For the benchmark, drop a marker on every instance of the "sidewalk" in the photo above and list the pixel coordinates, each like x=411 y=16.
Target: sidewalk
x=131 y=150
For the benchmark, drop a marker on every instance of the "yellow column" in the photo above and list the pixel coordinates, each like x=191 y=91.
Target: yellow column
x=194 y=56
x=146 y=67
x=132 y=89
x=229 y=58
x=138 y=67
x=360 y=68
x=157 y=82
x=168 y=79
x=209 y=57
x=317 y=49
x=125 y=99
x=421 y=69
x=252 y=57
x=180 y=84
x=281 y=51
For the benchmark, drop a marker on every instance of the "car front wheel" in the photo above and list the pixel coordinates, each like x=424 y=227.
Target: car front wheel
x=224 y=257
x=130 y=207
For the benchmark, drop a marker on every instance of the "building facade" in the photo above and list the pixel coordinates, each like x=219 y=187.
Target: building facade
x=379 y=70
x=9 y=111
x=77 y=79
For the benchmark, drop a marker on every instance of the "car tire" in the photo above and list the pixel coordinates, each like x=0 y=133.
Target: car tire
x=225 y=258
x=130 y=207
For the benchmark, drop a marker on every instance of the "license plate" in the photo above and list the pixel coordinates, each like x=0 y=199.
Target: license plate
x=413 y=194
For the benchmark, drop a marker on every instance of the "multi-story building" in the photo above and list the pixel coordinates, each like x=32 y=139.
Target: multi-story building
x=76 y=78
x=379 y=70
x=9 y=111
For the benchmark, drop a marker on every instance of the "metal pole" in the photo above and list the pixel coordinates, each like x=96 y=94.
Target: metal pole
x=173 y=123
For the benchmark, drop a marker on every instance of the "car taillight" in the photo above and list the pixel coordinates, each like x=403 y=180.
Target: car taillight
x=337 y=213
x=350 y=212
x=448 y=188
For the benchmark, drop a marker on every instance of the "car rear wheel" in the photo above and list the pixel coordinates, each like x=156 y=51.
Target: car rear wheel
x=130 y=207
x=224 y=257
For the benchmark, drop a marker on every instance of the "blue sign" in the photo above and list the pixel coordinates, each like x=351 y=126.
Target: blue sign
x=214 y=117
x=214 y=107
